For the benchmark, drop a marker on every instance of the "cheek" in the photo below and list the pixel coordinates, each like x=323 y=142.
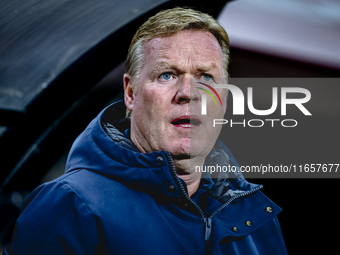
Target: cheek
x=221 y=108
x=215 y=111
x=149 y=103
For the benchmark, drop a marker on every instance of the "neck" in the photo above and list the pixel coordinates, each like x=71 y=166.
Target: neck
x=185 y=169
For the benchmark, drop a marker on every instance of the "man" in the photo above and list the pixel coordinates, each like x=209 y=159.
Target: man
x=131 y=186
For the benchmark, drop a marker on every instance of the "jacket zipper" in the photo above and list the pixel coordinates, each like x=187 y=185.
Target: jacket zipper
x=207 y=221
x=246 y=193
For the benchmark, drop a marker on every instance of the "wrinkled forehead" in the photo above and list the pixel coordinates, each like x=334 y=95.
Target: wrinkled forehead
x=183 y=39
x=184 y=47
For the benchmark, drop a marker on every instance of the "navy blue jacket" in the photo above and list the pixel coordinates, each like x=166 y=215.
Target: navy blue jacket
x=114 y=200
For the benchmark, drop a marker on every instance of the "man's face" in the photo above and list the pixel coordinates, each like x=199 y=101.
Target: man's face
x=166 y=110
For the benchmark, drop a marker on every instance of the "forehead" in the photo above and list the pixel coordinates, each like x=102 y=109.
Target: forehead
x=187 y=46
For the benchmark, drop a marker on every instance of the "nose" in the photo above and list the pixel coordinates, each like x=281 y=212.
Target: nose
x=187 y=91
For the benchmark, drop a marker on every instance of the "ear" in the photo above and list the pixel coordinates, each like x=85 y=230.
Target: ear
x=128 y=92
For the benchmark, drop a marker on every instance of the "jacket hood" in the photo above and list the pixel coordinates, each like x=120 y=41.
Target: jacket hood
x=104 y=148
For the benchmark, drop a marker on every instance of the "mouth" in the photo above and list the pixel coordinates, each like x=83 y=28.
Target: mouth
x=186 y=121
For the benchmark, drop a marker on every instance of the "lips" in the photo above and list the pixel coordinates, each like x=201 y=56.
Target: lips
x=186 y=121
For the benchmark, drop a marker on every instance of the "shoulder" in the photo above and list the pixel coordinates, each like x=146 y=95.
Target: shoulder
x=89 y=192
x=53 y=200
x=55 y=215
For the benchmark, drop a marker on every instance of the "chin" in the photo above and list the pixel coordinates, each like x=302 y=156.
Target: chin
x=181 y=153
x=189 y=148
x=180 y=150
x=200 y=149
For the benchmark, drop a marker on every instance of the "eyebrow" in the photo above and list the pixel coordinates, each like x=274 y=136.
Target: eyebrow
x=210 y=66
x=162 y=65
x=167 y=65
x=206 y=68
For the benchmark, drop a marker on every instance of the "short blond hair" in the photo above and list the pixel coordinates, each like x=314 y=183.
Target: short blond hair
x=167 y=23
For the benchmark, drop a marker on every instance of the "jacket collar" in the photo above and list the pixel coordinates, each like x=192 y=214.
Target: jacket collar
x=104 y=148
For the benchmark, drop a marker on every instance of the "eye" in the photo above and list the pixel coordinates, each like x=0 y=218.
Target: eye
x=165 y=76
x=207 y=77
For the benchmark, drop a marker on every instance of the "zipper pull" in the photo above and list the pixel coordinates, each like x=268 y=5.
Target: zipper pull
x=207 y=228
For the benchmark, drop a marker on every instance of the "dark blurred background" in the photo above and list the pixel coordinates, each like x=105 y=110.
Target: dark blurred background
x=291 y=39
x=269 y=39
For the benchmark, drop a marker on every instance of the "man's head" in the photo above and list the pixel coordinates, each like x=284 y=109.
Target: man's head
x=167 y=23
x=169 y=54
